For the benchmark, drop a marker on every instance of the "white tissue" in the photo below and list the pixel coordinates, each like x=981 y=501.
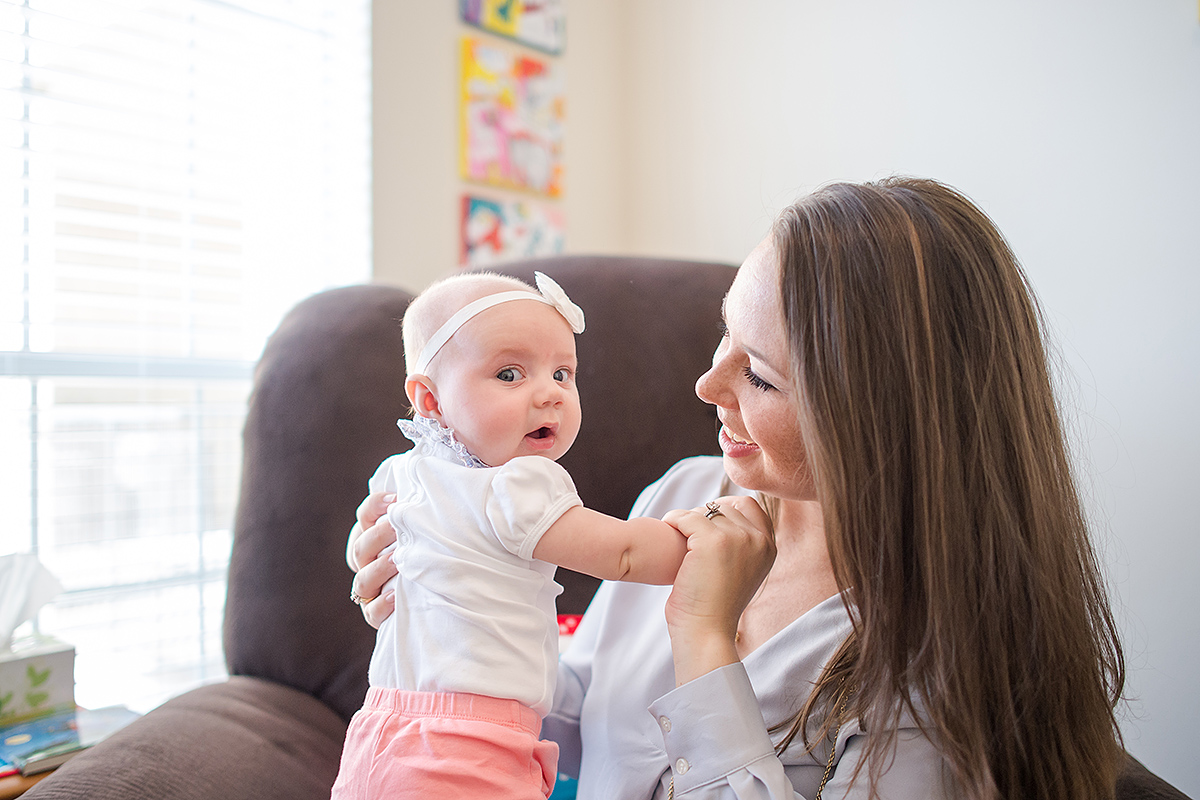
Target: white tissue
x=25 y=586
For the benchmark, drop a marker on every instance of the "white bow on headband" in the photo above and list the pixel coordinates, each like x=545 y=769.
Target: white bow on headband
x=551 y=294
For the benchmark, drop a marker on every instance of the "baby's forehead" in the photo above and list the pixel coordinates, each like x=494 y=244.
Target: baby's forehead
x=519 y=328
x=451 y=296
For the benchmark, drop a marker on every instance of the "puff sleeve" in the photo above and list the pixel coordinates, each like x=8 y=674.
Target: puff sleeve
x=526 y=497
x=384 y=479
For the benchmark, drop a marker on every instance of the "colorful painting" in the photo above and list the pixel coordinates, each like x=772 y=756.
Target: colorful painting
x=537 y=23
x=511 y=119
x=494 y=231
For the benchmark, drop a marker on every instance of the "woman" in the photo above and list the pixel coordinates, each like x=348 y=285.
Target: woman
x=925 y=595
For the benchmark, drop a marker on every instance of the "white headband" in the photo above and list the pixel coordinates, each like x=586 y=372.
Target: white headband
x=551 y=294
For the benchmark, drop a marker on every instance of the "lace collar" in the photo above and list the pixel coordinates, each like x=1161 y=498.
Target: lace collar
x=424 y=429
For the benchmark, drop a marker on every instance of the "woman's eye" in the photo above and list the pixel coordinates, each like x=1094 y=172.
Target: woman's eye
x=509 y=374
x=755 y=381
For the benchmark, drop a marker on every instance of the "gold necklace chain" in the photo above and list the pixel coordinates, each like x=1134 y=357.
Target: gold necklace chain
x=833 y=745
x=828 y=764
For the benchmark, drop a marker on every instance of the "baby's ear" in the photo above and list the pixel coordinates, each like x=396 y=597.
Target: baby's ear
x=422 y=394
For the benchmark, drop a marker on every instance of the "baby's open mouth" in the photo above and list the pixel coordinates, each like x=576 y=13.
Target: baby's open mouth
x=544 y=438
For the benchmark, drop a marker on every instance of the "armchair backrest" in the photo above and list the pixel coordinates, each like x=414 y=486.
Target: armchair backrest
x=327 y=393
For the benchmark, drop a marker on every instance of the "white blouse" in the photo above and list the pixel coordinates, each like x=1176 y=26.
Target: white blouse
x=624 y=729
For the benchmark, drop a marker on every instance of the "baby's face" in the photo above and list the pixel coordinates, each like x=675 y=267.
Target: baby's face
x=506 y=383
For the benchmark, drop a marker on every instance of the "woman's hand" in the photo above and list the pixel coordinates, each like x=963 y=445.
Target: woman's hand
x=372 y=540
x=728 y=556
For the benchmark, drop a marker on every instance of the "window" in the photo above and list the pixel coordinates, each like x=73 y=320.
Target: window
x=174 y=175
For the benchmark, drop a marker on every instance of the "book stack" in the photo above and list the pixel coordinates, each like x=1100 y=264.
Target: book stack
x=42 y=743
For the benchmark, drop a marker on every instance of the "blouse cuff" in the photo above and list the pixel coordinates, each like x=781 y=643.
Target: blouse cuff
x=711 y=727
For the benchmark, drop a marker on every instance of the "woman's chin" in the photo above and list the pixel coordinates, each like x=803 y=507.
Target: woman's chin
x=740 y=472
x=751 y=476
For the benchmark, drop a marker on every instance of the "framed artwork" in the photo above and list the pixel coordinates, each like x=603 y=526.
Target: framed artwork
x=511 y=114
x=494 y=231
x=536 y=23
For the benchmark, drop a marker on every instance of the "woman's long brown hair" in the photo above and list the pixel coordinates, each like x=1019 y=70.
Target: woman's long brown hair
x=951 y=512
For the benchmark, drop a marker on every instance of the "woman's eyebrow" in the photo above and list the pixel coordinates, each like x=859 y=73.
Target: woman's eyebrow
x=750 y=351
x=763 y=359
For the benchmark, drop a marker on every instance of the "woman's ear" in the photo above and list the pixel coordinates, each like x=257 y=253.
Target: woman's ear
x=422 y=394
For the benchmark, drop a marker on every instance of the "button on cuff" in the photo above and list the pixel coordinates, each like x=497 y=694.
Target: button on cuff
x=716 y=727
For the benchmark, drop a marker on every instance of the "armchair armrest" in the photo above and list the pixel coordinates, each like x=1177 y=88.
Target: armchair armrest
x=246 y=737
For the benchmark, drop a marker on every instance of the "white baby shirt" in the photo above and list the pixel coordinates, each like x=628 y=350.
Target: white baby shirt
x=474 y=610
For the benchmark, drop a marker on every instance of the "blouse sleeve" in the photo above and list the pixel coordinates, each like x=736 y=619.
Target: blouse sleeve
x=715 y=736
x=718 y=747
x=527 y=496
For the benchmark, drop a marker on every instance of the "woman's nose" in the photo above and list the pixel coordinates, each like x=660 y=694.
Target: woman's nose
x=711 y=386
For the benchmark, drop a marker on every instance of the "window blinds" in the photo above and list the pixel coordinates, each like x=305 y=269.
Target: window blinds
x=174 y=175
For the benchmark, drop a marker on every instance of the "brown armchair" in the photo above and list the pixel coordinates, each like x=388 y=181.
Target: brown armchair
x=327 y=393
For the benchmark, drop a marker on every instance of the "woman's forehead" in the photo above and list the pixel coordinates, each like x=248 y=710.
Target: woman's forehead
x=754 y=294
x=753 y=309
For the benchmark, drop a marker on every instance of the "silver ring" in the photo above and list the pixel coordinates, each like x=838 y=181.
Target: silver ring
x=714 y=510
x=361 y=601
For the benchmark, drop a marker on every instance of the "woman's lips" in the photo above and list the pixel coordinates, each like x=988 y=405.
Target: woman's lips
x=734 y=446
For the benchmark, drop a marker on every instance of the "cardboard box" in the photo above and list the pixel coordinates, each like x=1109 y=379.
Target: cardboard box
x=37 y=676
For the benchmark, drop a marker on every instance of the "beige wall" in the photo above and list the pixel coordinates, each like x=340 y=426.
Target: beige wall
x=416 y=185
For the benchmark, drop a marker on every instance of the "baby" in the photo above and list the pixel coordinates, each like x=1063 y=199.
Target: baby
x=464 y=671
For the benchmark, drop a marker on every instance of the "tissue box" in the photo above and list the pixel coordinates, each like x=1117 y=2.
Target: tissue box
x=37 y=676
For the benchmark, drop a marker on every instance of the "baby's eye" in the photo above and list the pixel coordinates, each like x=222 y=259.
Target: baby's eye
x=562 y=375
x=509 y=374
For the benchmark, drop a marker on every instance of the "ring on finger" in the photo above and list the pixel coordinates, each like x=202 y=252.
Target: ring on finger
x=358 y=600
x=714 y=510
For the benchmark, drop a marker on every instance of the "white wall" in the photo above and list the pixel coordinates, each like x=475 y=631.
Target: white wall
x=1074 y=123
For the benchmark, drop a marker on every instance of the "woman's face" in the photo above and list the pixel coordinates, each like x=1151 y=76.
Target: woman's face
x=750 y=383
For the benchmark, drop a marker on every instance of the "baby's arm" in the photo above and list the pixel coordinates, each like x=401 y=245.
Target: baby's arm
x=641 y=550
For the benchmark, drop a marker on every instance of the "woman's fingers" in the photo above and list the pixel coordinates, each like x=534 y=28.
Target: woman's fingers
x=372 y=532
x=730 y=516
x=379 y=609
x=368 y=552
x=373 y=507
x=369 y=586
x=748 y=509
x=729 y=554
